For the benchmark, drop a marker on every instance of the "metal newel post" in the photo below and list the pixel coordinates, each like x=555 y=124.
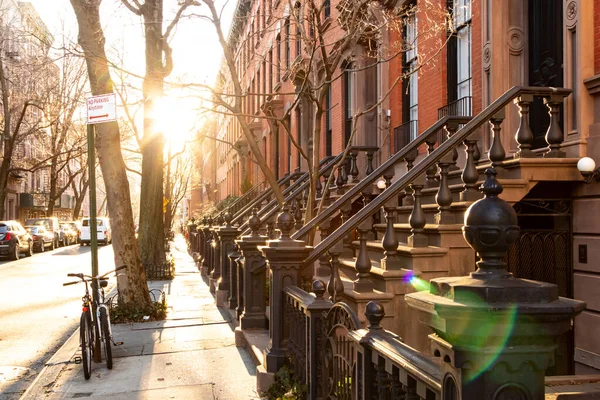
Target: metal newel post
x=93 y=231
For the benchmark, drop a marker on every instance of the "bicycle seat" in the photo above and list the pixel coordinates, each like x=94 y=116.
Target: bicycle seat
x=103 y=283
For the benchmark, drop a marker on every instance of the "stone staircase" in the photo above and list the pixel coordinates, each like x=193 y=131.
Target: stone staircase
x=374 y=242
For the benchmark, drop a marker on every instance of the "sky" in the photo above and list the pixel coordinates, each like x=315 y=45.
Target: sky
x=196 y=50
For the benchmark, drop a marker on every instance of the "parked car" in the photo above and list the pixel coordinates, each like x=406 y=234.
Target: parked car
x=14 y=240
x=76 y=226
x=50 y=223
x=42 y=238
x=102 y=227
x=67 y=236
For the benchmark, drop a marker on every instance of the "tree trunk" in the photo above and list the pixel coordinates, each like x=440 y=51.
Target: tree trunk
x=151 y=232
x=52 y=193
x=79 y=201
x=133 y=289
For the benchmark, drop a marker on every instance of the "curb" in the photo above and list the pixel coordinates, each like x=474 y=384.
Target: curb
x=52 y=368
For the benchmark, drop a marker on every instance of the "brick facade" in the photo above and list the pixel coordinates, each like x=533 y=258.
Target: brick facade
x=255 y=50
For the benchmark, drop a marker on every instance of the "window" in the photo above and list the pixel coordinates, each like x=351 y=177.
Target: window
x=348 y=103
x=289 y=145
x=411 y=64
x=264 y=81
x=299 y=133
x=298 y=31
x=459 y=58
x=278 y=58
x=328 y=124
x=271 y=69
x=327 y=8
x=287 y=43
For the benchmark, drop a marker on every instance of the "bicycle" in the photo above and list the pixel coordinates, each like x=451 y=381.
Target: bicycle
x=95 y=320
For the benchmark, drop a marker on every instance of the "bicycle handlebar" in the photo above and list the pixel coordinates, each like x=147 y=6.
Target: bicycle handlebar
x=83 y=276
x=71 y=283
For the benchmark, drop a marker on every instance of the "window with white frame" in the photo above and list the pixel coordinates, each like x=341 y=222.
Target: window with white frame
x=411 y=66
x=462 y=24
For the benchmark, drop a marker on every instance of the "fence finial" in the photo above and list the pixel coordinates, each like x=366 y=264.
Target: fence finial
x=318 y=288
x=374 y=313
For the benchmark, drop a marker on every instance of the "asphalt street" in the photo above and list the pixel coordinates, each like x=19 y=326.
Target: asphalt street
x=38 y=314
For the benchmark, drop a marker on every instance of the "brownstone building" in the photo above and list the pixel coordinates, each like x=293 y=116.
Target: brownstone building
x=457 y=57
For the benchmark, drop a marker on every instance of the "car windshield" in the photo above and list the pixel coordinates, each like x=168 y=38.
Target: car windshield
x=3 y=228
x=34 y=229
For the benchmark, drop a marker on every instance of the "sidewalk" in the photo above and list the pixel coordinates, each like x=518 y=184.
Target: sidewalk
x=190 y=355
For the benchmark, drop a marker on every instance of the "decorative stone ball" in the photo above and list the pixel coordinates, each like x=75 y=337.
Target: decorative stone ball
x=374 y=313
x=228 y=217
x=318 y=288
x=491 y=225
x=254 y=222
x=285 y=221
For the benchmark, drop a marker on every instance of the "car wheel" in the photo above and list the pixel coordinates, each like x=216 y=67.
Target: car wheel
x=16 y=252
x=30 y=249
x=52 y=245
x=42 y=246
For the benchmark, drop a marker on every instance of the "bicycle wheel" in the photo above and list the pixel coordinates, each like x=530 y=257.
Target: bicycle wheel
x=87 y=343
x=104 y=325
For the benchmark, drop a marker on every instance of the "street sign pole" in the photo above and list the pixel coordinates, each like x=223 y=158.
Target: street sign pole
x=100 y=109
x=93 y=231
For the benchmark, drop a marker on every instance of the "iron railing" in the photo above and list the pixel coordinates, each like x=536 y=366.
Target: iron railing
x=372 y=178
x=404 y=133
x=489 y=113
x=460 y=108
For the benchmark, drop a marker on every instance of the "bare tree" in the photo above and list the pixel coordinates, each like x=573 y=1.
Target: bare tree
x=67 y=140
x=133 y=289
x=159 y=64
x=331 y=42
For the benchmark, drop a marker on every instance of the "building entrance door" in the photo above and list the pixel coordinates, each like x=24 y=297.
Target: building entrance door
x=545 y=60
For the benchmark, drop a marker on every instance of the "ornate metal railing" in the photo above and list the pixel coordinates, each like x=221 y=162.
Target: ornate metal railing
x=408 y=154
x=390 y=368
x=404 y=133
x=444 y=156
x=334 y=358
x=304 y=325
x=265 y=203
x=242 y=212
x=246 y=198
x=461 y=107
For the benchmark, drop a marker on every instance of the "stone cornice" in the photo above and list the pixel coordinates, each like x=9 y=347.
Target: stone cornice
x=593 y=84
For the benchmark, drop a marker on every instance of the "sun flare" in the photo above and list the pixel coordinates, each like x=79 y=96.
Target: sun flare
x=176 y=119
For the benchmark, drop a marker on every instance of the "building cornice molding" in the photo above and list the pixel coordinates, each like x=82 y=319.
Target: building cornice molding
x=593 y=85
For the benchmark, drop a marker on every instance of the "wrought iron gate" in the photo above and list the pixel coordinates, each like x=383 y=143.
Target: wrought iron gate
x=340 y=357
x=543 y=253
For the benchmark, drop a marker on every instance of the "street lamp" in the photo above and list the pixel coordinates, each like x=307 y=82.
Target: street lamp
x=381 y=184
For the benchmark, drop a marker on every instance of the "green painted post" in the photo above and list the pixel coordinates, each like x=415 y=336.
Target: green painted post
x=93 y=230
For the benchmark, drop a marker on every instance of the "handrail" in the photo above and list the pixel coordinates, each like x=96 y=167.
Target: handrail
x=375 y=175
x=239 y=199
x=244 y=210
x=412 y=361
x=419 y=169
x=300 y=178
x=273 y=207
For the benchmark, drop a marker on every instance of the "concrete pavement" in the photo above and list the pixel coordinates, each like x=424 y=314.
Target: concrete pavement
x=190 y=355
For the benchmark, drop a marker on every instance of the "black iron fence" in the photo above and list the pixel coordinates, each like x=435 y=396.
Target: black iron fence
x=458 y=108
x=404 y=133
